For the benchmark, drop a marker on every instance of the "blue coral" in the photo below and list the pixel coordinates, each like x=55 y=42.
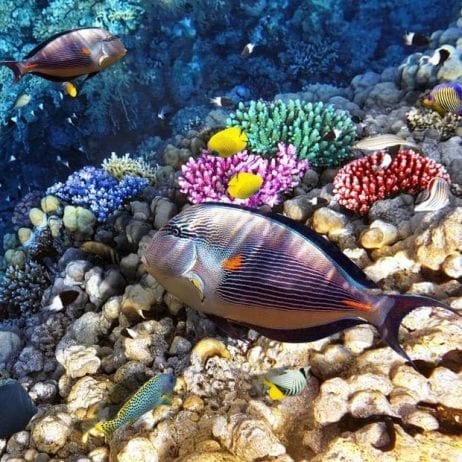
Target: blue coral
x=97 y=190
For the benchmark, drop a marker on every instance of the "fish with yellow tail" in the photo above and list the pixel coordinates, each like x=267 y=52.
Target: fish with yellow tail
x=227 y=142
x=445 y=97
x=272 y=274
x=243 y=185
x=70 y=54
x=285 y=382
x=151 y=394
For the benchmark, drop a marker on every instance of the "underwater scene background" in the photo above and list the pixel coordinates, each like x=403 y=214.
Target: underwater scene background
x=136 y=324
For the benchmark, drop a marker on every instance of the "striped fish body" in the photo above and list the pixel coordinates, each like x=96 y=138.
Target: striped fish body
x=147 y=397
x=434 y=197
x=290 y=382
x=271 y=274
x=445 y=97
x=70 y=54
x=381 y=142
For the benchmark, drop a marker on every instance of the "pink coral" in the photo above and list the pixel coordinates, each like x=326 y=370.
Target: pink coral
x=205 y=179
x=361 y=182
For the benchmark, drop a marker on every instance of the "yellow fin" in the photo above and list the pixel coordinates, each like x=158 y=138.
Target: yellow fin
x=197 y=282
x=273 y=391
x=244 y=185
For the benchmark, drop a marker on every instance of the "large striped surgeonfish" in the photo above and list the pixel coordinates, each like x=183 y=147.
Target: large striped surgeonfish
x=271 y=274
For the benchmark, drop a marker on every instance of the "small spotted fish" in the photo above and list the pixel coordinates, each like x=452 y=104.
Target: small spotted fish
x=227 y=142
x=17 y=408
x=151 y=394
x=244 y=185
x=434 y=198
x=289 y=382
x=445 y=97
x=380 y=142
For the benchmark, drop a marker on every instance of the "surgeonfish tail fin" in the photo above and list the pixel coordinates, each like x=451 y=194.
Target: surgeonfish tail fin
x=16 y=67
x=400 y=307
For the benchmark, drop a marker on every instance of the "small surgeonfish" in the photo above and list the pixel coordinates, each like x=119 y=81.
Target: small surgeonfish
x=271 y=274
x=151 y=394
x=70 y=54
x=16 y=408
x=243 y=185
x=380 y=142
x=445 y=97
x=227 y=142
x=434 y=197
x=288 y=382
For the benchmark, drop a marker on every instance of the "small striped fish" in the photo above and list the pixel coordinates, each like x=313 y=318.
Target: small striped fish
x=151 y=394
x=380 y=142
x=434 y=198
x=289 y=382
x=445 y=97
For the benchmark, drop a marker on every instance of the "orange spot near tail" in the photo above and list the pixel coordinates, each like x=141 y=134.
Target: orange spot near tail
x=233 y=263
x=358 y=305
x=86 y=51
x=29 y=66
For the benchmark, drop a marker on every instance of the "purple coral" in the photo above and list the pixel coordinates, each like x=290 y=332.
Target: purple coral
x=205 y=179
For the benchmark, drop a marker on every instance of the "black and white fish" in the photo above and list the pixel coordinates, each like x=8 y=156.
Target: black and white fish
x=434 y=197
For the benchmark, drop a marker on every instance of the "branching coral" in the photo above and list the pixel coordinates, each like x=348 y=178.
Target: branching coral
x=21 y=290
x=206 y=178
x=321 y=134
x=421 y=119
x=364 y=181
x=118 y=167
x=97 y=190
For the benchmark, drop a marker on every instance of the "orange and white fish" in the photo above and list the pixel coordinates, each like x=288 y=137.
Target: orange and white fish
x=271 y=274
x=70 y=54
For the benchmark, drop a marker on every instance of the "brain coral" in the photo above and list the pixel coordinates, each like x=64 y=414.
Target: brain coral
x=360 y=183
x=309 y=127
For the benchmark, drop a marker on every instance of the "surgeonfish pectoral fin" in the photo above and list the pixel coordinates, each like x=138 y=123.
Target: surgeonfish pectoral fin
x=197 y=282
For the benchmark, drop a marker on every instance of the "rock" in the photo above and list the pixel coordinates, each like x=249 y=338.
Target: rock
x=180 y=346
x=44 y=391
x=327 y=221
x=139 y=449
x=140 y=210
x=374 y=434
x=174 y=304
x=137 y=299
x=138 y=349
x=422 y=419
x=379 y=234
x=214 y=456
x=437 y=240
x=299 y=208
x=85 y=330
x=193 y=403
x=364 y=404
x=331 y=361
x=86 y=393
x=29 y=360
x=386 y=267
x=78 y=360
x=75 y=271
x=447 y=387
x=163 y=212
x=332 y=402
x=247 y=438
x=101 y=285
x=129 y=265
x=415 y=384
x=51 y=432
x=136 y=230
x=359 y=338
x=452 y=266
x=368 y=382
x=10 y=344
x=18 y=443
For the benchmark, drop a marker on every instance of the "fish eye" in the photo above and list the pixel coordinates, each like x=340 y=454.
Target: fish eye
x=176 y=231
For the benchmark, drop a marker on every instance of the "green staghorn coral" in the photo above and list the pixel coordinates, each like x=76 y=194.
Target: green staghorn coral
x=308 y=126
x=118 y=167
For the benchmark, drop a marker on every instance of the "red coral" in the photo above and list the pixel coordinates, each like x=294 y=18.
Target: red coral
x=360 y=183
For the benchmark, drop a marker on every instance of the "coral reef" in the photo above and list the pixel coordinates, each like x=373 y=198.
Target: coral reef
x=118 y=167
x=424 y=118
x=321 y=134
x=206 y=177
x=21 y=290
x=98 y=190
x=364 y=181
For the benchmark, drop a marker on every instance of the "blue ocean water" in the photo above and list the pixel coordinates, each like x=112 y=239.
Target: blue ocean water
x=180 y=54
